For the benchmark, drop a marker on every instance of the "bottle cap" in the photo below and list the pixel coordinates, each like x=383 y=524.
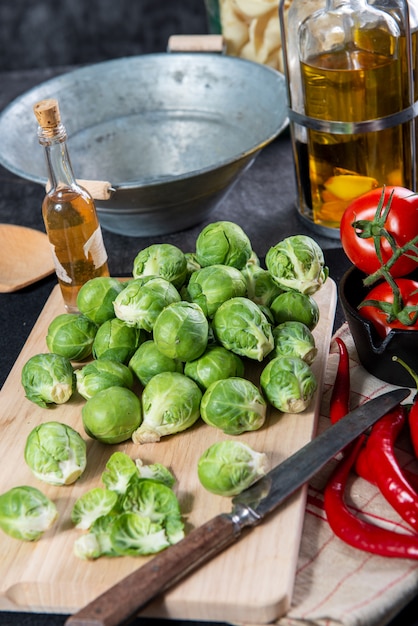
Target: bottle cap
x=47 y=113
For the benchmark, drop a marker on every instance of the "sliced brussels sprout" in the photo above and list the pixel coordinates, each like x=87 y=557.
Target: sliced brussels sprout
x=228 y=467
x=56 y=453
x=92 y=505
x=155 y=471
x=119 y=470
x=48 y=379
x=132 y=534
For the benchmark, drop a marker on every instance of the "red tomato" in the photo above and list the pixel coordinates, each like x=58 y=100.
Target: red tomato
x=383 y=293
x=401 y=222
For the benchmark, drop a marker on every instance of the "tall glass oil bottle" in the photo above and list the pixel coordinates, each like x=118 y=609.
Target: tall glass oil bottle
x=68 y=211
x=351 y=103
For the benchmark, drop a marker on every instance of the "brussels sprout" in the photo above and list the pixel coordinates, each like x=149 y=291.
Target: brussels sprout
x=56 y=453
x=88 y=546
x=212 y=285
x=156 y=471
x=48 y=379
x=228 y=467
x=297 y=262
x=116 y=340
x=235 y=405
x=288 y=384
x=170 y=404
x=161 y=259
x=240 y=326
x=261 y=286
x=101 y=374
x=192 y=264
x=26 y=513
x=295 y=306
x=92 y=505
x=181 y=331
x=215 y=363
x=152 y=499
x=71 y=335
x=149 y=361
x=133 y=535
x=112 y=415
x=139 y=304
x=294 y=339
x=225 y=243
x=96 y=296
x=119 y=470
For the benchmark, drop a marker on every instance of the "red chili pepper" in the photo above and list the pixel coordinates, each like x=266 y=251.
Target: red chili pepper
x=364 y=470
x=385 y=467
x=413 y=426
x=355 y=531
x=340 y=396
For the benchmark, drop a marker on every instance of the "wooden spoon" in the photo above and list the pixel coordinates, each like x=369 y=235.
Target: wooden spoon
x=25 y=257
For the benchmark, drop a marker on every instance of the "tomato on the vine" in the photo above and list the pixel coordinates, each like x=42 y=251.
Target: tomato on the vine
x=383 y=292
x=401 y=223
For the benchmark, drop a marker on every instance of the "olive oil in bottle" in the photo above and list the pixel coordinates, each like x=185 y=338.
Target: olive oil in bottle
x=68 y=211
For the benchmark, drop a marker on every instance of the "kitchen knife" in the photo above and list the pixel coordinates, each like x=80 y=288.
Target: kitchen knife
x=121 y=602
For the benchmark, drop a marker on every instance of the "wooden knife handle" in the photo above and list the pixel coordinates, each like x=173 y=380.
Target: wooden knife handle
x=124 y=600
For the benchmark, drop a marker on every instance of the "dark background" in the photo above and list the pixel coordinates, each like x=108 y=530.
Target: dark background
x=44 y=33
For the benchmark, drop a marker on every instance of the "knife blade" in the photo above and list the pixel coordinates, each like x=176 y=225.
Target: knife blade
x=121 y=602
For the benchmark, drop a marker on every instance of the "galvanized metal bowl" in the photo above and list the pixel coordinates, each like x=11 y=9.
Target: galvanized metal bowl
x=170 y=132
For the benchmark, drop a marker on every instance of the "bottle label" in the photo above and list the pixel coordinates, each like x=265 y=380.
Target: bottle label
x=59 y=269
x=95 y=247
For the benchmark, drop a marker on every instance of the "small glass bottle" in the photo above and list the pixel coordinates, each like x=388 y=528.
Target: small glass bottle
x=69 y=212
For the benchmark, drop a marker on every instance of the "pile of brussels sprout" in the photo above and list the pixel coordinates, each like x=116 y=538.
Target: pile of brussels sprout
x=182 y=331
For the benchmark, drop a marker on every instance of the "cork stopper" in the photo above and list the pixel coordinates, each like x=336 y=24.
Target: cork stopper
x=47 y=113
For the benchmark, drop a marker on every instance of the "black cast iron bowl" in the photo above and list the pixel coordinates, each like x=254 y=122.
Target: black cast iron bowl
x=376 y=355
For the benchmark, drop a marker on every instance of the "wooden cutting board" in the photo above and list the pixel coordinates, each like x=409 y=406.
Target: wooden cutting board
x=250 y=582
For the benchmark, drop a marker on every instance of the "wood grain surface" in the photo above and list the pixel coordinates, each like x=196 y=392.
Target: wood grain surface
x=252 y=581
